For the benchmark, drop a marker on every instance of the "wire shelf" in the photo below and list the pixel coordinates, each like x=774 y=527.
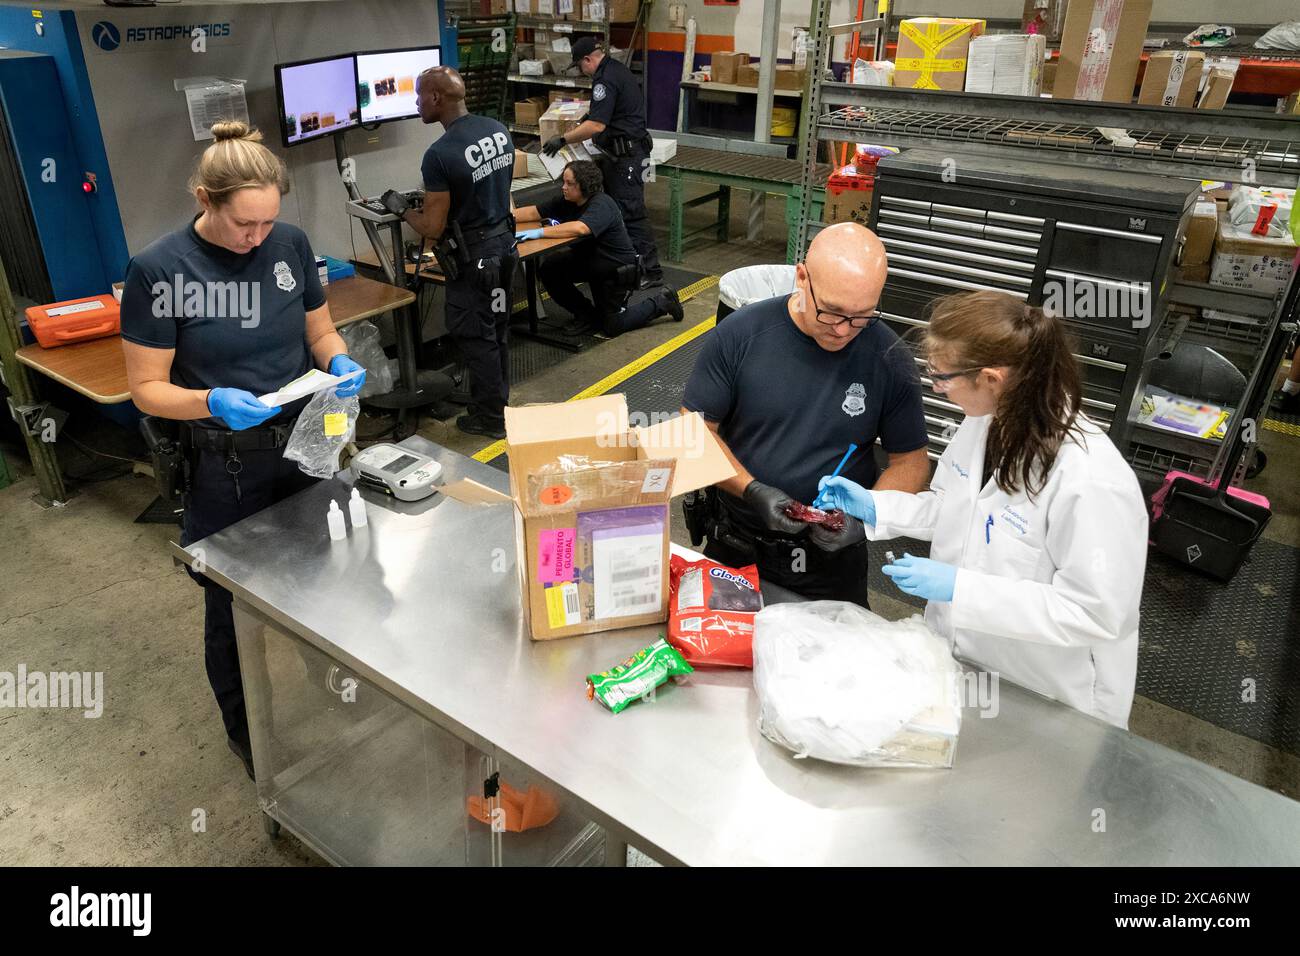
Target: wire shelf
x=1229 y=152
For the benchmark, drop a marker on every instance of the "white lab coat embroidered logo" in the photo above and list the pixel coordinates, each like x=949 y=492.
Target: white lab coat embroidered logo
x=284 y=278
x=598 y=92
x=855 y=400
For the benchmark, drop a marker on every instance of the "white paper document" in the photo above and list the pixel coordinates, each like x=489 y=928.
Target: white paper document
x=309 y=384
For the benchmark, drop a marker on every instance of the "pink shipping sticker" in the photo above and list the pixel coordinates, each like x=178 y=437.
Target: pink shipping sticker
x=555 y=555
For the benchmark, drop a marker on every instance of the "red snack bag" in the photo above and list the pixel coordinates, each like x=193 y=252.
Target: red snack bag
x=711 y=610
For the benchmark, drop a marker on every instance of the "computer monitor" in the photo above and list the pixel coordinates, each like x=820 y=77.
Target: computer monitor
x=317 y=98
x=386 y=81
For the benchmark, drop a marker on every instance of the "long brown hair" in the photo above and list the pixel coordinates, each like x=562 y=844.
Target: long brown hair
x=1041 y=403
x=237 y=160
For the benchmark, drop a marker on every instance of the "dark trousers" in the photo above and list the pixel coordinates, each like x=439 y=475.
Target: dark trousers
x=625 y=183
x=478 y=319
x=561 y=272
x=264 y=478
x=793 y=563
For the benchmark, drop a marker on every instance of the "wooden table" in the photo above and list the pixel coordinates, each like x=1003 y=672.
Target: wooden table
x=530 y=252
x=97 y=369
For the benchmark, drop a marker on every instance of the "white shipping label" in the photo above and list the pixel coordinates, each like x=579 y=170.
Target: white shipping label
x=561 y=45
x=690 y=590
x=566 y=7
x=627 y=575
x=1177 y=70
x=74 y=309
x=656 y=479
x=546 y=8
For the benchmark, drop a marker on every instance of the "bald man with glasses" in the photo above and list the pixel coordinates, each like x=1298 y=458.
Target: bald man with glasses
x=786 y=385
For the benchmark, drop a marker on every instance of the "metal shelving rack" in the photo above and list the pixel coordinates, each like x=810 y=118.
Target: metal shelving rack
x=483 y=67
x=1231 y=145
x=603 y=28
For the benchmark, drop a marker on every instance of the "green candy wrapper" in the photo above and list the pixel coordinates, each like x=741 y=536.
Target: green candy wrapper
x=636 y=676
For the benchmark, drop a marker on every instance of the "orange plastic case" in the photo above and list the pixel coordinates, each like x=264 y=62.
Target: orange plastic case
x=77 y=320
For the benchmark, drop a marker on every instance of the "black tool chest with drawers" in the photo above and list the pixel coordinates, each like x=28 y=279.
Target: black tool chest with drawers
x=1093 y=245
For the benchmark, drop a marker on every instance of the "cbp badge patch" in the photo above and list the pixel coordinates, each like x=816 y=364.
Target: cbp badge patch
x=855 y=400
x=598 y=92
x=283 y=277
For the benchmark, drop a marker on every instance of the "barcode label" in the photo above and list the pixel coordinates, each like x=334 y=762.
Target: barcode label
x=626 y=599
x=627 y=573
x=570 y=603
x=631 y=574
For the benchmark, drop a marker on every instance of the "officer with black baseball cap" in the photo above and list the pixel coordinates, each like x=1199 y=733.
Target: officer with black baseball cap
x=616 y=124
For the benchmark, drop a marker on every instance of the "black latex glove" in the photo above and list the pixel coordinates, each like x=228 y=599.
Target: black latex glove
x=854 y=532
x=769 y=505
x=395 y=202
x=554 y=145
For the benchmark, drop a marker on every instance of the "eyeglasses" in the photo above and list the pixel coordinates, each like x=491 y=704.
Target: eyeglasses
x=834 y=318
x=942 y=380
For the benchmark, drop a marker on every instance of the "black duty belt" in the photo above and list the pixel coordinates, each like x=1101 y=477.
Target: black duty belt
x=224 y=441
x=475 y=236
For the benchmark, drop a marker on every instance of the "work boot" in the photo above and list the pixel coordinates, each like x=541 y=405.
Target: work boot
x=1286 y=404
x=244 y=754
x=481 y=425
x=670 y=305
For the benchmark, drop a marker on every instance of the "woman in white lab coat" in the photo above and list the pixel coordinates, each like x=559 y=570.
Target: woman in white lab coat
x=1038 y=525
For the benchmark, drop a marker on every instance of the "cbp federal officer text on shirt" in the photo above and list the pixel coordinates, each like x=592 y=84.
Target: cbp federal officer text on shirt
x=467 y=174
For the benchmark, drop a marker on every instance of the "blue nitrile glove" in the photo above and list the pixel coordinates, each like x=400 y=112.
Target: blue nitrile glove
x=238 y=409
x=528 y=234
x=341 y=365
x=923 y=578
x=849 y=496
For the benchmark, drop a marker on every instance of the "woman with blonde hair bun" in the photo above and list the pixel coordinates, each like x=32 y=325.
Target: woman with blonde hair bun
x=226 y=308
x=1037 y=523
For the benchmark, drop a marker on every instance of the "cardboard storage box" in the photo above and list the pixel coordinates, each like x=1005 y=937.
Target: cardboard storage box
x=848 y=198
x=592 y=530
x=561 y=117
x=746 y=75
x=786 y=77
x=621 y=11
x=569 y=96
x=1172 y=78
x=1101 y=50
x=1008 y=63
x=932 y=52
x=1202 y=227
x=1217 y=87
x=1199 y=273
x=521 y=165
x=1244 y=261
x=529 y=111
x=722 y=67
x=534 y=67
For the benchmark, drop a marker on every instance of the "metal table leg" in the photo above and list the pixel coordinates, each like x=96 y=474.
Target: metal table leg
x=674 y=218
x=533 y=332
x=724 y=213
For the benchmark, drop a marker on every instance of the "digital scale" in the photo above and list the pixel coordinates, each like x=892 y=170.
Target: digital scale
x=396 y=471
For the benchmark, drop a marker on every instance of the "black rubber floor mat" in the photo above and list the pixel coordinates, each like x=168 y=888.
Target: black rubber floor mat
x=1227 y=653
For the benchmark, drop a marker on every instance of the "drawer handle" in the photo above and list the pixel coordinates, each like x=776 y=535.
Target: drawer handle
x=956 y=283
x=1114 y=233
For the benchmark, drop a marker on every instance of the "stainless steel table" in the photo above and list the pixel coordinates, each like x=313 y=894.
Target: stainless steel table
x=417 y=619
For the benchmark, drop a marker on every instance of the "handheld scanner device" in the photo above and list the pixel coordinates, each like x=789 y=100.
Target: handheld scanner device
x=406 y=475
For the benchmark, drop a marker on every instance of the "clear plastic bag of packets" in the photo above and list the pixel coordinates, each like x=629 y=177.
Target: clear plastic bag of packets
x=841 y=684
x=322 y=431
x=576 y=482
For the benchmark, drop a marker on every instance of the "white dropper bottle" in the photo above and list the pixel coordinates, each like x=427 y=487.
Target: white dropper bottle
x=335 y=520
x=357 y=509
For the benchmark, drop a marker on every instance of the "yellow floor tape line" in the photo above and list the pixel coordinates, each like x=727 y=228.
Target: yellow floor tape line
x=1284 y=427
x=627 y=371
x=684 y=294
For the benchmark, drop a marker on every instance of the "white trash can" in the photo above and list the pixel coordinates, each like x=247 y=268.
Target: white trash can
x=740 y=287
